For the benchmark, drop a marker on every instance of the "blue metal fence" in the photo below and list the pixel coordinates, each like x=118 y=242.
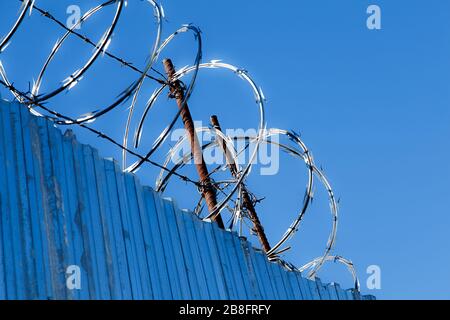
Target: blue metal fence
x=62 y=205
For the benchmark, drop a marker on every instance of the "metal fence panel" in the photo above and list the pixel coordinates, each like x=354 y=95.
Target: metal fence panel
x=63 y=205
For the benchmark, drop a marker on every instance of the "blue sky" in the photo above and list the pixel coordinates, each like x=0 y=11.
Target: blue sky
x=372 y=105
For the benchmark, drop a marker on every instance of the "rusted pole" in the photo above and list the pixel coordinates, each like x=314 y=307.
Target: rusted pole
x=207 y=188
x=246 y=201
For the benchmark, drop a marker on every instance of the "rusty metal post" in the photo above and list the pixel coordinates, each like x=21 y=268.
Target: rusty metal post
x=246 y=201
x=207 y=189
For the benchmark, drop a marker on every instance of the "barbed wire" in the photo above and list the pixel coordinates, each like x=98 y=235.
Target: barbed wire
x=231 y=190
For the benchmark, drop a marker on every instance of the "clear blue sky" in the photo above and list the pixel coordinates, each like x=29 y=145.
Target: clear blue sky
x=373 y=106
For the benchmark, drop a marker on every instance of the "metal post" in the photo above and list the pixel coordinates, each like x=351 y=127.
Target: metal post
x=207 y=188
x=246 y=201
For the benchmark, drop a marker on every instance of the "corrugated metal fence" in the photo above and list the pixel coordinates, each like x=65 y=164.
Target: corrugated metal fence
x=63 y=205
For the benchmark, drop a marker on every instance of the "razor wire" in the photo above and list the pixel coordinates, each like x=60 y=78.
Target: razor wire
x=36 y=102
x=300 y=151
x=337 y=259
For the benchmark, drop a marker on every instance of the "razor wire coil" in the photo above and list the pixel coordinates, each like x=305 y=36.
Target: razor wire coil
x=36 y=101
